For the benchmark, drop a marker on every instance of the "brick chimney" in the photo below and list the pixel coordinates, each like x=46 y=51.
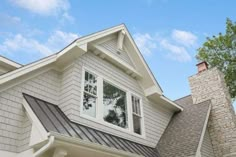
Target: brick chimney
x=209 y=84
x=202 y=66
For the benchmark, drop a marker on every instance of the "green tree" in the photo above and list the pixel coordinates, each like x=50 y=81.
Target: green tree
x=220 y=51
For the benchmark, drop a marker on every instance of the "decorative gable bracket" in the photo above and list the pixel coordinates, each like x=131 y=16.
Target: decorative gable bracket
x=120 y=40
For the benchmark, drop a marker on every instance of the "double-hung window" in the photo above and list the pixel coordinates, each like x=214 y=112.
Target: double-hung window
x=137 y=116
x=90 y=94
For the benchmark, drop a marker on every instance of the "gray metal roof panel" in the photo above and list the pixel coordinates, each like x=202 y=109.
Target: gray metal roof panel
x=53 y=119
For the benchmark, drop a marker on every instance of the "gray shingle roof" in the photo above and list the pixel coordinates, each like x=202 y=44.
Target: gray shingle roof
x=182 y=136
x=54 y=120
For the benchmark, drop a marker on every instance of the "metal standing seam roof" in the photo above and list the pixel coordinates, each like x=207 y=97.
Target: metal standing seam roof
x=182 y=136
x=54 y=120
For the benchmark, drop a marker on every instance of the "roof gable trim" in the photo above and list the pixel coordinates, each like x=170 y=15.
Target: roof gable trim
x=9 y=63
x=143 y=61
x=26 y=69
x=203 y=130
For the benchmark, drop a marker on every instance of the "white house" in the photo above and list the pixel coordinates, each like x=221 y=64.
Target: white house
x=98 y=98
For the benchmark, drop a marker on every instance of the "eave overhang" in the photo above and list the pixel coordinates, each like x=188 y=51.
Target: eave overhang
x=9 y=64
x=153 y=94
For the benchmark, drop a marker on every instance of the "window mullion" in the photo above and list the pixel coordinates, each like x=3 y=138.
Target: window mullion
x=129 y=108
x=100 y=98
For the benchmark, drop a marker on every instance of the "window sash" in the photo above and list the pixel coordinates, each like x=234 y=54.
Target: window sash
x=89 y=79
x=90 y=110
x=136 y=105
x=90 y=84
x=137 y=124
x=137 y=115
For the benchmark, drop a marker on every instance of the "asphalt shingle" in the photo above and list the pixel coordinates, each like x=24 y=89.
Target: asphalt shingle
x=182 y=136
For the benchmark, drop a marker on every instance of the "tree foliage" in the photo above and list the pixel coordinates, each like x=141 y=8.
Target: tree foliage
x=220 y=51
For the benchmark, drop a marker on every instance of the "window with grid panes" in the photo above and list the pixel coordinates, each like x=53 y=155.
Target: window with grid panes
x=136 y=109
x=90 y=94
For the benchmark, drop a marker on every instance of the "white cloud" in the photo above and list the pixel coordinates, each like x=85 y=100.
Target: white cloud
x=43 y=7
x=8 y=20
x=184 y=37
x=177 y=45
x=60 y=39
x=145 y=43
x=67 y=17
x=175 y=52
x=21 y=43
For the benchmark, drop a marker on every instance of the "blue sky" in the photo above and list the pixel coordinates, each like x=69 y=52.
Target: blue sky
x=167 y=32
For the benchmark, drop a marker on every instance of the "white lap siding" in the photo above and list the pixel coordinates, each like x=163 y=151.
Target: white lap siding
x=156 y=117
x=15 y=127
x=111 y=46
x=207 y=150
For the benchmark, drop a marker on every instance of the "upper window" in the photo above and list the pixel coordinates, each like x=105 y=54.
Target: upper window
x=90 y=94
x=136 y=115
x=115 y=105
x=107 y=103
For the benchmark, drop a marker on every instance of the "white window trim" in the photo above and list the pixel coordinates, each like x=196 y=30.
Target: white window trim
x=99 y=104
x=141 y=114
x=127 y=97
x=82 y=96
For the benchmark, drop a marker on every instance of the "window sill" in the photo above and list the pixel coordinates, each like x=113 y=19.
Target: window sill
x=109 y=125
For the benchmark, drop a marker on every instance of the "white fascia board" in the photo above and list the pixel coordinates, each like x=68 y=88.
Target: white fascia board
x=26 y=69
x=153 y=92
x=42 y=134
x=150 y=91
x=34 y=66
x=171 y=103
x=65 y=50
x=76 y=142
x=9 y=62
x=100 y=34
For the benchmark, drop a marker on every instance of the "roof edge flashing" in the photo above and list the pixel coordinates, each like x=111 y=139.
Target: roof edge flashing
x=66 y=140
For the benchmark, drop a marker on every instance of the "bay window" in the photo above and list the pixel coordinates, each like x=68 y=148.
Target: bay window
x=107 y=103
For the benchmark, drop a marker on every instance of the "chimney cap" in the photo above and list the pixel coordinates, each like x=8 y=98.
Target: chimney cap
x=202 y=66
x=202 y=62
